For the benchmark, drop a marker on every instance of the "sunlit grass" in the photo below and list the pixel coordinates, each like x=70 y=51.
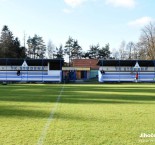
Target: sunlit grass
x=24 y=110
x=110 y=114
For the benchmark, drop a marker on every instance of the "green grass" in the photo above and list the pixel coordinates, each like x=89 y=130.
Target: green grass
x=110 y=114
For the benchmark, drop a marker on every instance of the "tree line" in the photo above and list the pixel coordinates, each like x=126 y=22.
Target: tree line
x=144 y=49
x=10 y=47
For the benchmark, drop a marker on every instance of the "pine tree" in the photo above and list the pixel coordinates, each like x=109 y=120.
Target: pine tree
x=59 y=52
x=36 y=47
x=6 y=43
x=69 y=47
x=10 y=47
x=94 y=51
x=76 y=51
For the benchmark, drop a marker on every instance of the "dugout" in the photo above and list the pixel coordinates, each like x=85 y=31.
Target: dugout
x=31 y=70
x=76 y=73
x=126 y=70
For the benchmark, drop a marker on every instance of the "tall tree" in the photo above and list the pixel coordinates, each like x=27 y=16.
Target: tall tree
x=94 y=51
x=6 y=42
x=97 y=52
x=85 y=55
x=19 y=51
x=147 y=40
x=104 y=52
x=50 y=49
x=122 y=50
x=130 y=47
x=59 y=53
x=140 y=52
x=36 y=47
x=10 y=47
x=115 y=54
x=68 y=48
x=76 y=50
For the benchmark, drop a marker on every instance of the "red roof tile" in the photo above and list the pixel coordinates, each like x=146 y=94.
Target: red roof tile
x=85 y=63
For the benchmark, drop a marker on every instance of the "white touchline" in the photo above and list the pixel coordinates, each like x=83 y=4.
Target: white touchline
x=50 y=118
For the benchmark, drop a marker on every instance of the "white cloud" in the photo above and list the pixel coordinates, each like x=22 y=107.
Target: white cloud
x=74 y=3
x=141 y=21
x=121 y=3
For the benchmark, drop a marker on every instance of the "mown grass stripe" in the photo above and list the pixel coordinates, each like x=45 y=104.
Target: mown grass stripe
x=50 y=118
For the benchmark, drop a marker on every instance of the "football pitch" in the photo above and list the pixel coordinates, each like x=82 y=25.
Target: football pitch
x=77 y=114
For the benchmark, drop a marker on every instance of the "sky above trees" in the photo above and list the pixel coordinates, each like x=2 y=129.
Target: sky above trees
x=88 y=21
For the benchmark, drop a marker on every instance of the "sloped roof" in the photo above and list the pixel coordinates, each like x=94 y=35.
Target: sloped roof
x=92 y=63
x=30 y=62
x=142 y=63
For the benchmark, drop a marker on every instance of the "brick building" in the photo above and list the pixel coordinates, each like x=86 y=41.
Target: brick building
x=82 y=69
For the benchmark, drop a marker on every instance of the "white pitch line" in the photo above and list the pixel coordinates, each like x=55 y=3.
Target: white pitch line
x=50 y=119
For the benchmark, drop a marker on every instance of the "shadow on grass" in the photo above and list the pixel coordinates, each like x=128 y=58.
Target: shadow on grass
x=108 y=99
x=85 y=118
x=83 y=94
x=30 y=93
x=85 y=97
x=8 y=111
x=74 y=95
x=29 y=98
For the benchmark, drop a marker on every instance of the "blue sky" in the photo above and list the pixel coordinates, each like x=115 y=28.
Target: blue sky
x=88 y=21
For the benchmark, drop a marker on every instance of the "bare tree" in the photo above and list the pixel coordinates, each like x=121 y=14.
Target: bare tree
x=147 y=41
x=122 y=51
x=129 y=48
x=115 y=54
x=50 y=49
x=140 y=52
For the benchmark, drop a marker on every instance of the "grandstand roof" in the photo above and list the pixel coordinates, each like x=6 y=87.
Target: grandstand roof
x=30 y=62
x=131 y=63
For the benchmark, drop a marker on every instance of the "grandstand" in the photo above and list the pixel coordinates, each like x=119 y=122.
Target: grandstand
x=31 y=70
x=126 y=70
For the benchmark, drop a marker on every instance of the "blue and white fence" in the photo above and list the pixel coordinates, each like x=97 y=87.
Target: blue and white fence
x=25 y=76
x=126 y=77
x=126 y=71
x=37 y=70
